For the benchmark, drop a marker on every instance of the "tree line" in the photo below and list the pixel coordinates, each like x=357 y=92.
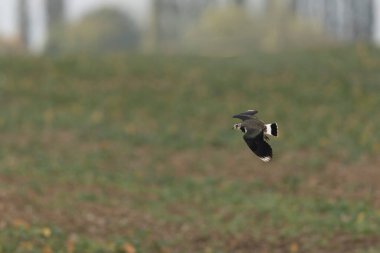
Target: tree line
x=343 y=20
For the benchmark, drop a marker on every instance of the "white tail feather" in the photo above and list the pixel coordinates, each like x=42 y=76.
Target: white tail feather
x=271 y=129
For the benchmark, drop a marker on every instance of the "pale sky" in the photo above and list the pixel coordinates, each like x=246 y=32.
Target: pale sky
x=74 y=10
x=7 y=17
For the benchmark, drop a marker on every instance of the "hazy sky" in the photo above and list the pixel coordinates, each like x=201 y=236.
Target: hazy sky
x=74 y=9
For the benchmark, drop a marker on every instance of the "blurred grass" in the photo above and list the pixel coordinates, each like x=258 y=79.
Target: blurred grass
x=139 y=150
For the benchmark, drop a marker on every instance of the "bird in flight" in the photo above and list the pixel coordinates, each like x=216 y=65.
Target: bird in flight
x=256 y=134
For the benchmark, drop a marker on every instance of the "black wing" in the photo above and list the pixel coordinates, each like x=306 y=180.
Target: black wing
x=259 y=146
x=245 y=115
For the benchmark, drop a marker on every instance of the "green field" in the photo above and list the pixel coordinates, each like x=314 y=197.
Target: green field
x=137 y=153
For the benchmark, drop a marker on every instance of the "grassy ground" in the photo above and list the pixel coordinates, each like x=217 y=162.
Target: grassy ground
x=137 y=154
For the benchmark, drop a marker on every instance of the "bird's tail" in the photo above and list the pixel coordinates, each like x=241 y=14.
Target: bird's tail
x=271 y=129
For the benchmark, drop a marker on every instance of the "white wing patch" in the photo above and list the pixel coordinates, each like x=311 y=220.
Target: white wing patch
x=265 y=159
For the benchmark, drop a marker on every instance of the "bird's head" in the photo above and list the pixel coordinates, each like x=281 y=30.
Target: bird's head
x=237 y=126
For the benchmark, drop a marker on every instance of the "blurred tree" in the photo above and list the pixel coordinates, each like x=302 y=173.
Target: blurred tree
x=232 y=31
x=171 y=18
x=155 y=25
x=273 y=6
x=330 y=17
x=240 y=2
x=104 y=30
x=169 y=21
x=23 y=16
x=165 y=14
x=55 y=10
x=345 y=20
x=363 y=20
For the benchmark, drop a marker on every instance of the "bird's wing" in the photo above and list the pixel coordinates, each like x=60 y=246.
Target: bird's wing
x=258 y=145
x=252 y=132
x=245 y=115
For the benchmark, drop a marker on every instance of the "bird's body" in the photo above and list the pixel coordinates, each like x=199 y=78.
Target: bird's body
x=256 y=133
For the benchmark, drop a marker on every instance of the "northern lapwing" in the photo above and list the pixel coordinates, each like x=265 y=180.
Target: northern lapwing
x=256 y=134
